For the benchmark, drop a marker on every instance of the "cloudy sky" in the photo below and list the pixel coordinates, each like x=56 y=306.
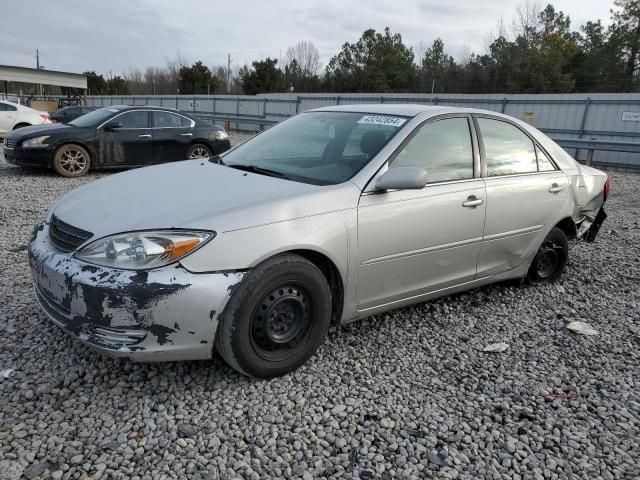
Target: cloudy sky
x=76 y=35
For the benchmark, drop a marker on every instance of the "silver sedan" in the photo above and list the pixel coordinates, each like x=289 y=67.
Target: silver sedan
x=330 y=216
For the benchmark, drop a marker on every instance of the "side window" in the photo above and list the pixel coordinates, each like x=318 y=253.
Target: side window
x=135 y=119
x=507 y=149
x=185 y=122
x=442 y=148
x=5 y=107
x=167 y=120
x=544 y=164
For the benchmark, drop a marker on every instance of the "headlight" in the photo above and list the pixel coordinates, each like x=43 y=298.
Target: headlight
x=35 y=142
x=221 y=135
x=143 y=250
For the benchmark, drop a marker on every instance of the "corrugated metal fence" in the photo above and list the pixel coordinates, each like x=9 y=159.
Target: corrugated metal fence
x=599 y=116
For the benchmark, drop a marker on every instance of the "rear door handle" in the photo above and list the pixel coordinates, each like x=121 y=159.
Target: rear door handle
x=555 y=188
x=472 y=201
x=186 y=134
x=145 y=135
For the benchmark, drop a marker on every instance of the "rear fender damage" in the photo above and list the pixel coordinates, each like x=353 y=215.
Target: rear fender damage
x=592 y=193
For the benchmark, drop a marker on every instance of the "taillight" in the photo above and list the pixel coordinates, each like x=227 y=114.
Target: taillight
x=45 y=116
x=607 y=187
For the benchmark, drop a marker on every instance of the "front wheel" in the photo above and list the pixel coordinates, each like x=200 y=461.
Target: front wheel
x=276 y=318
x=199 y=151
x=551 y=258
x=71 y=161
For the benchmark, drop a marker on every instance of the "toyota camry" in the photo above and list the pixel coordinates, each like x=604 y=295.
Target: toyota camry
x=332 y=215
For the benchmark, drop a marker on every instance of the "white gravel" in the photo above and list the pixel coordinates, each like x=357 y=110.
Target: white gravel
x=407 y=394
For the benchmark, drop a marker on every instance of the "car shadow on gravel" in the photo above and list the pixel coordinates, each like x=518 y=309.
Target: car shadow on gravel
x=211 y=374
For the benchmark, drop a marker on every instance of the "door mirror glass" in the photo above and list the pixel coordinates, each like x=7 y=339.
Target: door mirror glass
x=402 y=178
x=111 y=126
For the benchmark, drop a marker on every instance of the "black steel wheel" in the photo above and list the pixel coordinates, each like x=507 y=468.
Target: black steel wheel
x=281 y=321
x=276 y=318
x=551 y=258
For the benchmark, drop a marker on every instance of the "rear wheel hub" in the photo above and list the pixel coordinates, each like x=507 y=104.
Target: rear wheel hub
x=547 y=260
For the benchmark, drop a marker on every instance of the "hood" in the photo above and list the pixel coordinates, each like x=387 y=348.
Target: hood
x=37 y=130
x=190 y=194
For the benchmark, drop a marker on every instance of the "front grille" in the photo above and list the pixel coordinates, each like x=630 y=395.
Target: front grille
x=116 y=337
x=67 y=237
x=9 y=143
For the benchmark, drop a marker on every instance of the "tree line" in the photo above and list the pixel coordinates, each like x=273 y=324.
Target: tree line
x=539 y=53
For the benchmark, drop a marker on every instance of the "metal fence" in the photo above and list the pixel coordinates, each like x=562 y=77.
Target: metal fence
x=607 y=124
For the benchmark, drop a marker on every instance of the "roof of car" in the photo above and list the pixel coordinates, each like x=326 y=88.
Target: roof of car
x=402 y=109
x=138 y=107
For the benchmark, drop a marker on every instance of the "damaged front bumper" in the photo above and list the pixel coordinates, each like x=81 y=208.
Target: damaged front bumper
x=163 y=314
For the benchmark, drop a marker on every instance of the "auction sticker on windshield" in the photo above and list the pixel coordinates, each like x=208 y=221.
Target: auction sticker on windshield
x=382 y=120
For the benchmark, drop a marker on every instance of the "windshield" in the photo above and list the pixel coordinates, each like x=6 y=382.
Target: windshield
x=322 y=148
x=93 y=118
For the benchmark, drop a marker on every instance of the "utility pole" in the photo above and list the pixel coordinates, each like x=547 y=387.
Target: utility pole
x=38 y=68
x=228 y=73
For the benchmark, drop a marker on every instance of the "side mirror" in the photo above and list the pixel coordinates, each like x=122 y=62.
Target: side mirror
x=111 y=126
x=402 y=178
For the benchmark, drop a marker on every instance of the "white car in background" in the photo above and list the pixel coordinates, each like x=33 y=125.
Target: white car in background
x=13 y=115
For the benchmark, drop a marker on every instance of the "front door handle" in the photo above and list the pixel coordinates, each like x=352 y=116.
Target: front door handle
x=144 y=135
x=555 y=188
x=472 y=202
x=186 y=134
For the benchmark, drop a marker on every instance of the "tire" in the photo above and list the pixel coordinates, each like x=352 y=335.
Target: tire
x=276 y=318
x=71 y=161
x=20 y=125
x=198 y=151
x=550 y=260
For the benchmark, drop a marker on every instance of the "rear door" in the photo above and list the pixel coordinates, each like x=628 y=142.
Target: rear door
x=525 y=192
x=130 y=144
x=8 y=114
x=172 y=134
x=412 y=242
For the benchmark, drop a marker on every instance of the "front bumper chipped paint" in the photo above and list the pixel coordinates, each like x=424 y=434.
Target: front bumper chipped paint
x=162 y=314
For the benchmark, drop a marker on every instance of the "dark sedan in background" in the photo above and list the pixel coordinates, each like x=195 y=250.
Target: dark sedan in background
x=115 y=137
x=66 y=114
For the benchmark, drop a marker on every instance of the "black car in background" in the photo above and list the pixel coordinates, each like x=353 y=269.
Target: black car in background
x=66 y=114
x=115 y=137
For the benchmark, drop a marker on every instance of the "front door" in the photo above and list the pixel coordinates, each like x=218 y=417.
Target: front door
x=525 y=192
x=130 y=143
x=172 y=134
x=412 y=242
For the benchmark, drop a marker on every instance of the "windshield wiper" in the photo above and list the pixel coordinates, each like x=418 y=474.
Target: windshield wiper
x=258 y=170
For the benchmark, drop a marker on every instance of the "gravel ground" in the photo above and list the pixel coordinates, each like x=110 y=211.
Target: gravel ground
x=407 y=394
